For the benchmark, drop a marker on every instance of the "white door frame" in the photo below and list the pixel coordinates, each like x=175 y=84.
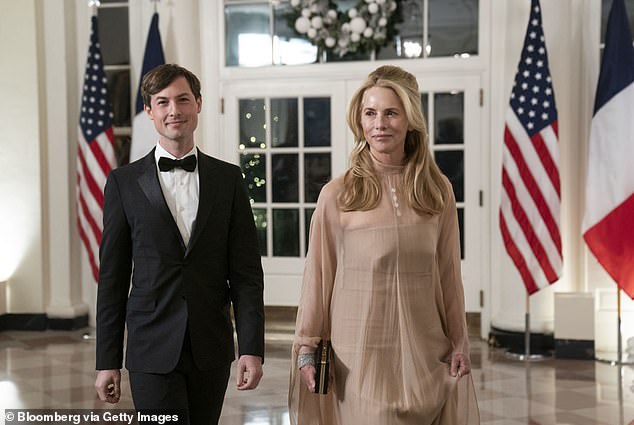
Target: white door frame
x=283 y=275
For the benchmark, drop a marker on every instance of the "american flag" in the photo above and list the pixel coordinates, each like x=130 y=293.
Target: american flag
x=95 y=151
x=529 y=211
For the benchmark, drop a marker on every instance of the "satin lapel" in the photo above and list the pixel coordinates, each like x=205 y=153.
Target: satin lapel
x=151 y=187
x=208 y=185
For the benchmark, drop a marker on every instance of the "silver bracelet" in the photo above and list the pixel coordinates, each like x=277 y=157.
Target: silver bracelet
x=305 y=360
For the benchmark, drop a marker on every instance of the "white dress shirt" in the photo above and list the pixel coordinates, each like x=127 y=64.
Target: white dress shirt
x=181 y=191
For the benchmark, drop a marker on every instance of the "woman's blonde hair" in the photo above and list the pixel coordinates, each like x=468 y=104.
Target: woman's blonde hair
x=423 y=181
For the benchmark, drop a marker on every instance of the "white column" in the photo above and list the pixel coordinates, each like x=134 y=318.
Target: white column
x=21 y=251
x=65 y=287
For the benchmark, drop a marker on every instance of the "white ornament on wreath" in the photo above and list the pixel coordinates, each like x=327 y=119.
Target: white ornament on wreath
x=362 y=27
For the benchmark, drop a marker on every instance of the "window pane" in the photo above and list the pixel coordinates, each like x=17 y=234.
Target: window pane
x=308 y=215
x=122 y=149
x=285 y=176
x=114 y=35
x=248 y=38
x=453 y=27
x=345 y=5
x=451 y=163
x=286 y=232
x=425 y=102
x=317 y=121
x=254 y=171
x=316 y=174
x=259 y=216
x=409 y=41
x=449 y=118
x=461 y=227
x=284 y=122
x=288 y=47
x=119 y=94
x=252 y=123
x=605 y=12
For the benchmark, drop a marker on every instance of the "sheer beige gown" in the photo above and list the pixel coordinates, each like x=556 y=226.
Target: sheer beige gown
x=385 y=286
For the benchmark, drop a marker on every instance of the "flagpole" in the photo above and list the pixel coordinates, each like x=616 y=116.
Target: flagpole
x=609 y=356
x=619 y=381
x=528 y=355
x=527 y=328
x=529 y=391
x=619 y=347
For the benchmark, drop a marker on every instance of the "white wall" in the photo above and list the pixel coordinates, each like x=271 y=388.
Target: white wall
x=22 y=234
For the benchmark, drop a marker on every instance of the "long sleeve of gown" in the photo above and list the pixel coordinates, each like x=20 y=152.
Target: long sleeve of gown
x=313 y=314
x=448 y=254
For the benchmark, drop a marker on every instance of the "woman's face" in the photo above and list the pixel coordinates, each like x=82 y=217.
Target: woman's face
x=384 y=124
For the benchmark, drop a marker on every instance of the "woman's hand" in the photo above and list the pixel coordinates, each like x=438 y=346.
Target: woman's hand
x=307 y=374
x=460 y=364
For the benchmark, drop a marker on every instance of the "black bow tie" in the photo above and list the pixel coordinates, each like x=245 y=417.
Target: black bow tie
x=188 y=163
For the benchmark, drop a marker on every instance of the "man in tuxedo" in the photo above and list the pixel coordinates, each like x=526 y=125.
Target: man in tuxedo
x=180 y=223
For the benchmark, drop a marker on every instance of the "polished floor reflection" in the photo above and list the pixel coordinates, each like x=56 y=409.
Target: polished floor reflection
x=54 y=369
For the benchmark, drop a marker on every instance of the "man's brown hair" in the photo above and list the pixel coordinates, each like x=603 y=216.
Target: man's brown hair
x=162 y=76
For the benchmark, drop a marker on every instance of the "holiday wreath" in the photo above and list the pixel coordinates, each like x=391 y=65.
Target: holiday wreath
x=364 y=28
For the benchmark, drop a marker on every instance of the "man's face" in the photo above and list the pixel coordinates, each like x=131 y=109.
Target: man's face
x=174 y=111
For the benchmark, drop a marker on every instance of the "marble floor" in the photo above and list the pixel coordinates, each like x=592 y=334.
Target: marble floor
x=54 y=370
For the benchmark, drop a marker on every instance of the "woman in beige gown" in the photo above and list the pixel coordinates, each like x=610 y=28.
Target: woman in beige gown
x=382 y=278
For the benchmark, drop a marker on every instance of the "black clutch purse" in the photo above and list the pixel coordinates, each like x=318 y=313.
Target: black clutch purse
x=322 y=367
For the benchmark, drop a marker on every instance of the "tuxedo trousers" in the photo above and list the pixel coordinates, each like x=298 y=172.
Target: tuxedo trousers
x=195 y=396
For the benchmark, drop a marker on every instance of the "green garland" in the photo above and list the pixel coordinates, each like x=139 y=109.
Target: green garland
x=364 y=28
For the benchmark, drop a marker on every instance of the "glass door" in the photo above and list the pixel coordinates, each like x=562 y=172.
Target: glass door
x=452 y=113
x=289 y=140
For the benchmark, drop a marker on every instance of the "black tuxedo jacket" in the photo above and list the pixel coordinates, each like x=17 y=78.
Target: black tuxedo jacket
x=176 y=286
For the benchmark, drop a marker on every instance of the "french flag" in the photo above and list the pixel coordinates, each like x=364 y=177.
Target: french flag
x=144 y=135
x=608 y=223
